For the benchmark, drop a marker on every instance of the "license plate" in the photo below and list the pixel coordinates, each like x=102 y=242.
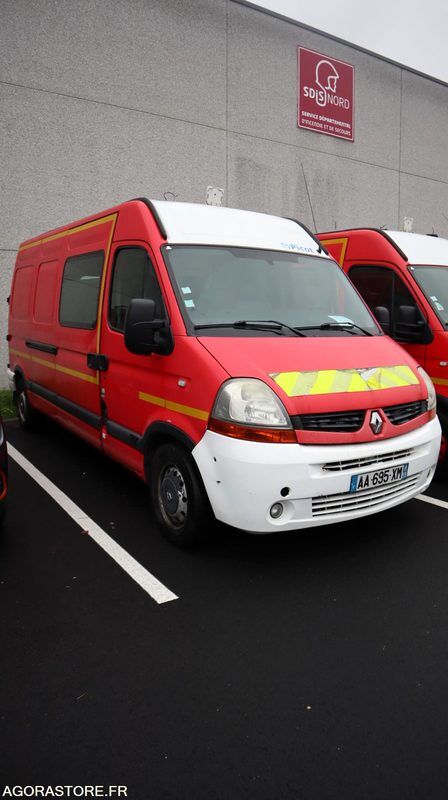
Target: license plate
x=380 y=477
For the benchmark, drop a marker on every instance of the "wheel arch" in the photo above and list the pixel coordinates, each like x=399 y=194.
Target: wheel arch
x=19 y=375
x=160 y=432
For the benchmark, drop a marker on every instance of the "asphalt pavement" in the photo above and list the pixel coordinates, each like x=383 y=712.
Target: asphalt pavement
x=306 y=666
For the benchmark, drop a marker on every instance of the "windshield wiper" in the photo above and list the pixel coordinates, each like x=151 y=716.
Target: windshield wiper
x=255 y=325
x=335 y=326
x=268 y=324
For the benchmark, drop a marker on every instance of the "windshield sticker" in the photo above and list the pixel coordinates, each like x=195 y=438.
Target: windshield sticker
x=186 y=290
x=336 y=381
x=298 y=248
x=345 y=320
x=435 y=301
x=189 y=303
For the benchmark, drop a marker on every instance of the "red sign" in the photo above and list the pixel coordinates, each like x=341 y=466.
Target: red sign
x=326 y=94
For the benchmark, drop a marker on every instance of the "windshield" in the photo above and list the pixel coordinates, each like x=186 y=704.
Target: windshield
x=433 y=282
x=220 y=285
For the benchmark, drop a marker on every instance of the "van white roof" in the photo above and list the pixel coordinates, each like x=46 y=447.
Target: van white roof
x=421 y=249
x=192 y=223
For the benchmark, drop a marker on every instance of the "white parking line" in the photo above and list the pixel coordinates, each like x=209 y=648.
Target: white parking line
x=432 y=500
x=149 y=584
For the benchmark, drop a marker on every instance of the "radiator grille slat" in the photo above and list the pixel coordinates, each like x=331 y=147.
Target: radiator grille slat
x=397 y=415
x=367 y=461
x=350 y=421
x=334 y=504
x=339 y=421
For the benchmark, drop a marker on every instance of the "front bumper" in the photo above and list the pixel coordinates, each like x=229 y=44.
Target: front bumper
x=11 y=379
x=243 y=479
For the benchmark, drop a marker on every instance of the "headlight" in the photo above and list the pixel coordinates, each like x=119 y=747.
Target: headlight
x=432 y=400
x=250 y=402
x=246 y=408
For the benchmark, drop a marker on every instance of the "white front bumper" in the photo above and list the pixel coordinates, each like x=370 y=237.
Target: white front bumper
x=11 y=379
x=243 y=479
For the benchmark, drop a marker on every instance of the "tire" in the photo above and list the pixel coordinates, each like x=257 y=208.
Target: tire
x=442 y=466
x=179 y=500
x=25 y=413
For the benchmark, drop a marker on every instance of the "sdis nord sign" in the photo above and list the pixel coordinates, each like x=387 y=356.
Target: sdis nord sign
x=326 y=94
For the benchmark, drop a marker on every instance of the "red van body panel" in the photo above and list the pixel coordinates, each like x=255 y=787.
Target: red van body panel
x=357 y=247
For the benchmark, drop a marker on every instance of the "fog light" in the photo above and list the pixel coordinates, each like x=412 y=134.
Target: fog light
x=276 y=510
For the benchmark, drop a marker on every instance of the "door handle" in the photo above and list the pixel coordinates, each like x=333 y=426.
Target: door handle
x=97 y=361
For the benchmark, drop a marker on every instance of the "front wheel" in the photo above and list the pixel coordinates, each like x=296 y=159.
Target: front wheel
x=179 y=500
x=25 y=413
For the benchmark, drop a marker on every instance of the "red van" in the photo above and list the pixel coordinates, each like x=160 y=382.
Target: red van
x=403 y=278
x=227 y=360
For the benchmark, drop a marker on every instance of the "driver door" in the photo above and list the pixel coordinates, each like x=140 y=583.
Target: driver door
x=382 y=286
x=126 y=376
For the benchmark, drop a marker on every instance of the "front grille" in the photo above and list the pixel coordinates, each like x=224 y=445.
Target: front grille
x=397 y=415
x=367 y=461
x=339 y=421
x=350 y=421
x=334 y=504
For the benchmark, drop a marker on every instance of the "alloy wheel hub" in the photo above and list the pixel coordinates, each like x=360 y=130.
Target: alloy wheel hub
x=173 y=495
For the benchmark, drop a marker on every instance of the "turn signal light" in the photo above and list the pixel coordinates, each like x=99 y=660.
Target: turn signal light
x=252 y=434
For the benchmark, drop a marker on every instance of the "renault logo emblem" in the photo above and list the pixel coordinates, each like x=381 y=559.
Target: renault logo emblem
x=376 y=423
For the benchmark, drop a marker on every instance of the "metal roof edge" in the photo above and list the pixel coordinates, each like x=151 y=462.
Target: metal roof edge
x=345 y=42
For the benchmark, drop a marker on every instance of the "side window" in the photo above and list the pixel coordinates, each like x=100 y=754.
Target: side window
x=78 y=307
x=380 y=286
x=133 y=277
x=375 y=285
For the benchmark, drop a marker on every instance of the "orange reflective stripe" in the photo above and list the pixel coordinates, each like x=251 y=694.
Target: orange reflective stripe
x=189 y=411
x=69 y=232
x=74 y=373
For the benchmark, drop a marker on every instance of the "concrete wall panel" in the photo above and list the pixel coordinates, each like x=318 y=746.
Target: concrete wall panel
x=426 y=201
x=65 y=158
x=274 y=177
x=424 y=130
x=166 y=57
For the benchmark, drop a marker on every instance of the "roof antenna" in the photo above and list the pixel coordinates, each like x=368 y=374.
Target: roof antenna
x=309 y=197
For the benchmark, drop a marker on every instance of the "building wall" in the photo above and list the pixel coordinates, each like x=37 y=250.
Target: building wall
x=116 y=99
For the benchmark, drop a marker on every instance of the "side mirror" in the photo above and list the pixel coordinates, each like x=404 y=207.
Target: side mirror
x=411 y=327
x=143 y=334
x=383 y=317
